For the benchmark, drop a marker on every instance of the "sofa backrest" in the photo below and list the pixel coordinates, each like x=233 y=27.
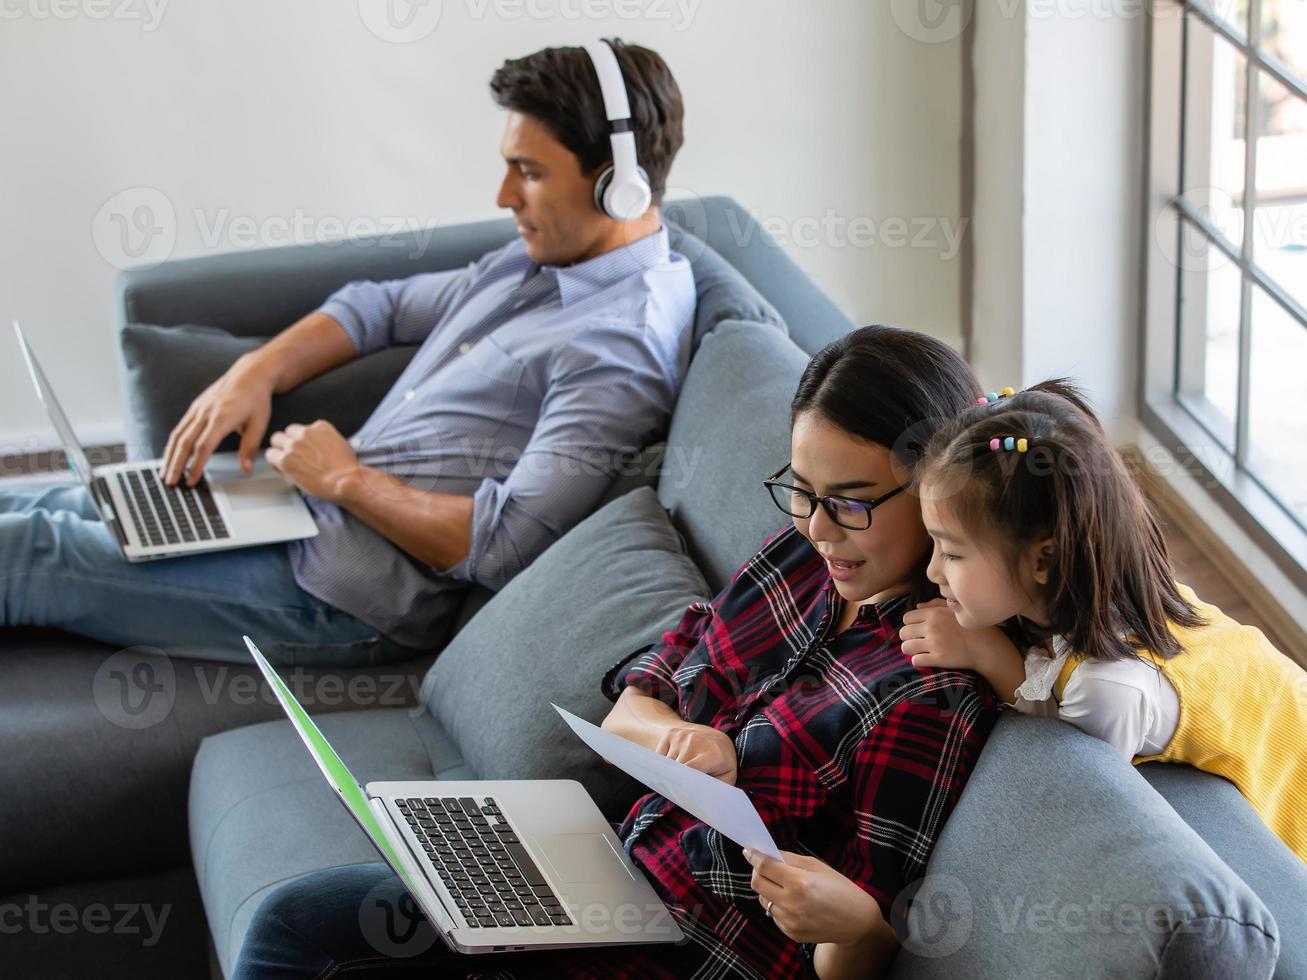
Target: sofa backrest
x=731 y=428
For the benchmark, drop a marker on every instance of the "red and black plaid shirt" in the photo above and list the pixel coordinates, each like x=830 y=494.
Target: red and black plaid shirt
x=850 y=753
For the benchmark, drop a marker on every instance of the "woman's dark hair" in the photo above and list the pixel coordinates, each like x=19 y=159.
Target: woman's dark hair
x=891 y=387
x=1111 y=592
x=560 y=88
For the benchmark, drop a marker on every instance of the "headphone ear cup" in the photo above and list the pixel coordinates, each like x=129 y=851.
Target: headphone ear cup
x=601 y=187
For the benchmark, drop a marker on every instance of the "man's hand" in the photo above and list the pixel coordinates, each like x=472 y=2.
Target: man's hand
x=239 y=401
x=701 y=747
x=317 y=459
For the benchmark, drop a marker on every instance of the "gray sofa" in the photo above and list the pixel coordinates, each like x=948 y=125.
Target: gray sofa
x=1060 y=859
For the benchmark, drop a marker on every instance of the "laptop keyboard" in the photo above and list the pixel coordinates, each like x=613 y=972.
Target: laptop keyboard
x=166 y=515
x=482 y=863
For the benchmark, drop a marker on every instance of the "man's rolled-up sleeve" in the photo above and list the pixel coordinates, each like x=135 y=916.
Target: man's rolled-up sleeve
x=377 y=315
x=605 y=401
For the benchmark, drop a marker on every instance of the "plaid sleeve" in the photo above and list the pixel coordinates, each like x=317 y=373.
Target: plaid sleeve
x=650 y=668
x=909 y=774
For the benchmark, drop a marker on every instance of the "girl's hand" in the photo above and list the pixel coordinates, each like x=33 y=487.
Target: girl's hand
x=811 y=902
x=932 y=637
x=701 y=747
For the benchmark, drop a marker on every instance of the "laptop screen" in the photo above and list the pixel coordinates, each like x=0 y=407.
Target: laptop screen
x=331 y=764
x=76 y=457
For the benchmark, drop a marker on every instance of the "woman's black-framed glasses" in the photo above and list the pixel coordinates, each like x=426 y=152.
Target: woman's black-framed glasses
x=847 y=512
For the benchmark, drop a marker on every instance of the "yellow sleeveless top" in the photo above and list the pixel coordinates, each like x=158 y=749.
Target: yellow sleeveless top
x=1243 y=715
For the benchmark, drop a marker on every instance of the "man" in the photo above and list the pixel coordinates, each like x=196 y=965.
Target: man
x=541 y=366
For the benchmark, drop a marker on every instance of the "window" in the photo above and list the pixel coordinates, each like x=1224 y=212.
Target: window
x=1224 y=377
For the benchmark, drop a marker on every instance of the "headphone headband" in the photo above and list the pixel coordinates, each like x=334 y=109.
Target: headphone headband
x=622 y=191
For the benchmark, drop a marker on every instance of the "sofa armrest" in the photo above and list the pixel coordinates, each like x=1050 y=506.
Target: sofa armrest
x=260 y=292
x=1060 y=860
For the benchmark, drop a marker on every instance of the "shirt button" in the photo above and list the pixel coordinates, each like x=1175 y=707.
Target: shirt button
x=408 y=395
x=356 y=442
x=464 y=347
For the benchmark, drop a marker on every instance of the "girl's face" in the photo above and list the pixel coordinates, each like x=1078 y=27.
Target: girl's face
x=982 y=585
x=878 y=562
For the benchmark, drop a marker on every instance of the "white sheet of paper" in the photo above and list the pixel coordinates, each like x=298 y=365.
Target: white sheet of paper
x=725 y=808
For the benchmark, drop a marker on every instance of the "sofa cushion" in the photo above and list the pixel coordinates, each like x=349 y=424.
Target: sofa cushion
x=166 y=367
x=730 y=429
x=1060 y=861
x=1221 y=816
x=722 y=293
x=612 y=584
x=261 y=813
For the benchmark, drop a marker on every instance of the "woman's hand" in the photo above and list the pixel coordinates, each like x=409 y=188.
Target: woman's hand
x=811 y=902
x=703 y=748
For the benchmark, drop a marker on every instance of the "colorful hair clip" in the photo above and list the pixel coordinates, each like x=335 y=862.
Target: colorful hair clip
x=1009 y=443
x=994 y=396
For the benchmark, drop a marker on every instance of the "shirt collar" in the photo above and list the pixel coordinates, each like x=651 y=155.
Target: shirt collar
x=584 y=279
x=890 y=612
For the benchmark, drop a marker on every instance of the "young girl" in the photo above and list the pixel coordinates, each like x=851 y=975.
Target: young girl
x=1039 y=527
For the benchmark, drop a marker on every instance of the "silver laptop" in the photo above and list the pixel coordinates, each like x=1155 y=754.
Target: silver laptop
x=149 y=519
x=497 y=865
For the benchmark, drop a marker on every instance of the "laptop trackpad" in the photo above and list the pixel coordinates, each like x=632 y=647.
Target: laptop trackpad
x=255 y=491
x=579 y=858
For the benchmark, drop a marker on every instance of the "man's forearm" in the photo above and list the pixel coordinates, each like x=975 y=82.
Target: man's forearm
x=640 y=718
x=435 y=528
x=310 y=347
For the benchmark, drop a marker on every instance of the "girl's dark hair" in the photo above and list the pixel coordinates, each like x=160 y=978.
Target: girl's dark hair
x=891 y=387
x=1111 y=592
x=560 y=88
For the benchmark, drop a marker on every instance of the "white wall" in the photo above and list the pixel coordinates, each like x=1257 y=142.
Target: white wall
x=257 y=123
x=1059 y=90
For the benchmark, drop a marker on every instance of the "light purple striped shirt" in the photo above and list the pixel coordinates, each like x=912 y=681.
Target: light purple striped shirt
x=531 y=385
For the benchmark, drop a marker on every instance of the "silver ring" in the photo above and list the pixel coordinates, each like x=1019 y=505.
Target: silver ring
x=770 y=903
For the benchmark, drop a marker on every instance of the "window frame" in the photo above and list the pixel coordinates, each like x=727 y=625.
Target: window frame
x=1162 y=412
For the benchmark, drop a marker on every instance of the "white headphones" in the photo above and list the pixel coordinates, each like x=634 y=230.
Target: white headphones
x=622 y=191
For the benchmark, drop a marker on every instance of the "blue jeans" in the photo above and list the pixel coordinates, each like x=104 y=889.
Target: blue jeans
x=358 y=921
x=60 y=567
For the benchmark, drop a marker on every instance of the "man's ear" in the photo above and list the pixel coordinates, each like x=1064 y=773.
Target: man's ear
x=1041 y=560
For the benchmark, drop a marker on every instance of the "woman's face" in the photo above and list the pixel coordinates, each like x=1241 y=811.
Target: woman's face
x=880 y=561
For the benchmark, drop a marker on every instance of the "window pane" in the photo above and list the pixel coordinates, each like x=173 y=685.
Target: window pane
x=1208 y=379
x=1284 y=33
x=1280 y=224
x=1277 y=424
x=1212 y=177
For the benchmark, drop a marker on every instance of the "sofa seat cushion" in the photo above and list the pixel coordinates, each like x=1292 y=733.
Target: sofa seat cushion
x=89 y=732
x=261 y=814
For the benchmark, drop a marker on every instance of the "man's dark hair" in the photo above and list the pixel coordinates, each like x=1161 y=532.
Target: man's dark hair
x=560 y=88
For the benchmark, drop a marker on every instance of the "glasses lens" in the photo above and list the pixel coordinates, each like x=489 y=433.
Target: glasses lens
x=791 y=501
x=853 y=514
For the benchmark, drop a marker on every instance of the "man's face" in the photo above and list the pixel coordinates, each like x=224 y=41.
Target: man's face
x=551 y=199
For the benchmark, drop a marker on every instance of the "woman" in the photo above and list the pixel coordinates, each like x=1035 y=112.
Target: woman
x=791 y=684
